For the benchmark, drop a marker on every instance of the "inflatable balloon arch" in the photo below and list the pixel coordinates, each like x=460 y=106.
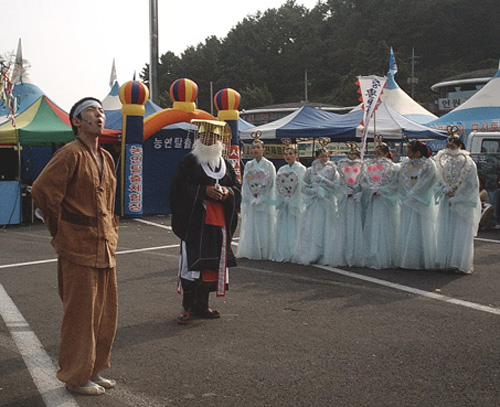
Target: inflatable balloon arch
x=136 y=129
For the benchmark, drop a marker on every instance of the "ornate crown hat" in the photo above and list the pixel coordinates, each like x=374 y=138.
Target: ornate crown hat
x=323 y=142
x=256 y=137
x=209 y=131
x=379 y=141
x=353 y=148
x=453 y=137
x=288 y=145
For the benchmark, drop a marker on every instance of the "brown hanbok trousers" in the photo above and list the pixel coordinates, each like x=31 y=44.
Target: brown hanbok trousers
x=90 y=304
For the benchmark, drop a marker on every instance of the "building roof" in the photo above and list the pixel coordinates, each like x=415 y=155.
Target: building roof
x=479 y=76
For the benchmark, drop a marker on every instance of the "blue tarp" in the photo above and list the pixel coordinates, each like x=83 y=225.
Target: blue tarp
x=10 y=204
x=309 y=122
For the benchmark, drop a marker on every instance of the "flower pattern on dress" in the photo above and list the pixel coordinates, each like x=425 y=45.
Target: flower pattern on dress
x=257 y=180
x=378 y=171
x=412 y=169
x=350 y=172
x=287 y=183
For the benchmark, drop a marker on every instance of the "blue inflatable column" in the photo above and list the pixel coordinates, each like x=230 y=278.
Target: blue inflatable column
x=133 y=96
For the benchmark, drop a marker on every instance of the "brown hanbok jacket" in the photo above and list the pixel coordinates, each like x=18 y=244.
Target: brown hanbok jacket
x=78 y=205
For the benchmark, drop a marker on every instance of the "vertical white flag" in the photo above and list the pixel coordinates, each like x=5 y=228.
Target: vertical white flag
x=112 y=77
x=370 y=88
x=17 y=72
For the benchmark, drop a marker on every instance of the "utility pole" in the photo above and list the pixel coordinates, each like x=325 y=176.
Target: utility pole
x=153 y=60
x=413 y=80
x=211 y=98
x=305 y=86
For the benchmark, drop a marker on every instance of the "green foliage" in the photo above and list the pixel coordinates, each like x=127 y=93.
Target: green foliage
x=255 y=96
x=265 y=56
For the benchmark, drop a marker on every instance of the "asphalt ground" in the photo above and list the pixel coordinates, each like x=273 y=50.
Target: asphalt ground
x=289 y=335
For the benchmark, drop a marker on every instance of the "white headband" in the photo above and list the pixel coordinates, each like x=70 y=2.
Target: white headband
x=86 y=103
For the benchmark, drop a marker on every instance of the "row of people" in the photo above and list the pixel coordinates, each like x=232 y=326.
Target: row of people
x=421 y=213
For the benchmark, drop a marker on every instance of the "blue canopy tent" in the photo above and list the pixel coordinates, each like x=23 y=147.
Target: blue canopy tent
x=309 y=122
x=481 y=112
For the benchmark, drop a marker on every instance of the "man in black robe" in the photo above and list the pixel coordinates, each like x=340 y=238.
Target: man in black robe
x=205 y=201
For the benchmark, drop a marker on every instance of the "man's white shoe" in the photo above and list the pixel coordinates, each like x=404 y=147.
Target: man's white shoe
x=90 y=389
x=101 y=381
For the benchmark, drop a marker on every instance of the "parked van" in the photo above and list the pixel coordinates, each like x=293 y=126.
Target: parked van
x=484 y=148
x=484 y=142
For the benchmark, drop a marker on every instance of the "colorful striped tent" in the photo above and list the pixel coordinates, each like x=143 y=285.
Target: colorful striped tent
x=43 y=123
x=26 y=94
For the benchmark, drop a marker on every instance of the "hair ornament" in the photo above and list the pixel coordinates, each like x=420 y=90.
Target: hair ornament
x=256 y=136
x=353 y=148
x=453 y=137
x=324 y=141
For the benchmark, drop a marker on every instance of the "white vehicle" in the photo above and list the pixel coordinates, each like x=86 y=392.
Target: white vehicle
x=484 y=142
x=484 y=147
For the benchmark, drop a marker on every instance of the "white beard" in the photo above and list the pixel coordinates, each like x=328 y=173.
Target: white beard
x=210 y=155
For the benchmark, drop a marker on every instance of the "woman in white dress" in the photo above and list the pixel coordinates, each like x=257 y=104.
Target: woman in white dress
x=459 y=206
x=381 y=202
x=289 y=205
x=417 y=232
x=258 y=211
x=348 y=249
x=318 y=223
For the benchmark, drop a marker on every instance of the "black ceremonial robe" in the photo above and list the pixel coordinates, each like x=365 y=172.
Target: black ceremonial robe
x=187 y=194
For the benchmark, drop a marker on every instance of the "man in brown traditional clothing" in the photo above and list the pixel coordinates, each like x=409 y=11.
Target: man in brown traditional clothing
x=205 y=200
x=76 y=194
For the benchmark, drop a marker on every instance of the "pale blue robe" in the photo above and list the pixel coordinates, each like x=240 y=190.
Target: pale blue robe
x=417 y=232
x=348 y=248
x=258 y=210
x=317 y=231
x=382 y=211
x=459 y=213
x=290 y=207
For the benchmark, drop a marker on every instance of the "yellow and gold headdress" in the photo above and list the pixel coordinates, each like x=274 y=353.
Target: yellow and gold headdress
x=353 y=150
x=210 y=131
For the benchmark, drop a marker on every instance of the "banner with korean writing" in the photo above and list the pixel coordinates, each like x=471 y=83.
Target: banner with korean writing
x=162 y=142
x=133 y=196
x=370 y=88
x=273 y=151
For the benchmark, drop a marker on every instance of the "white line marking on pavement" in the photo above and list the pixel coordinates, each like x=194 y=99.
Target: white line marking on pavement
x=481 y=239
x=36 y=359
x=27 y=263
x=147 y=249
x=416 y=291
x=147 y=222
x=33 y=263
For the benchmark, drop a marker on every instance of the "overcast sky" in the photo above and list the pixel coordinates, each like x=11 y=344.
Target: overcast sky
x=70 y=44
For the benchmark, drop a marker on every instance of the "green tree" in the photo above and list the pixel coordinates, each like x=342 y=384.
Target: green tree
x=265 y=56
